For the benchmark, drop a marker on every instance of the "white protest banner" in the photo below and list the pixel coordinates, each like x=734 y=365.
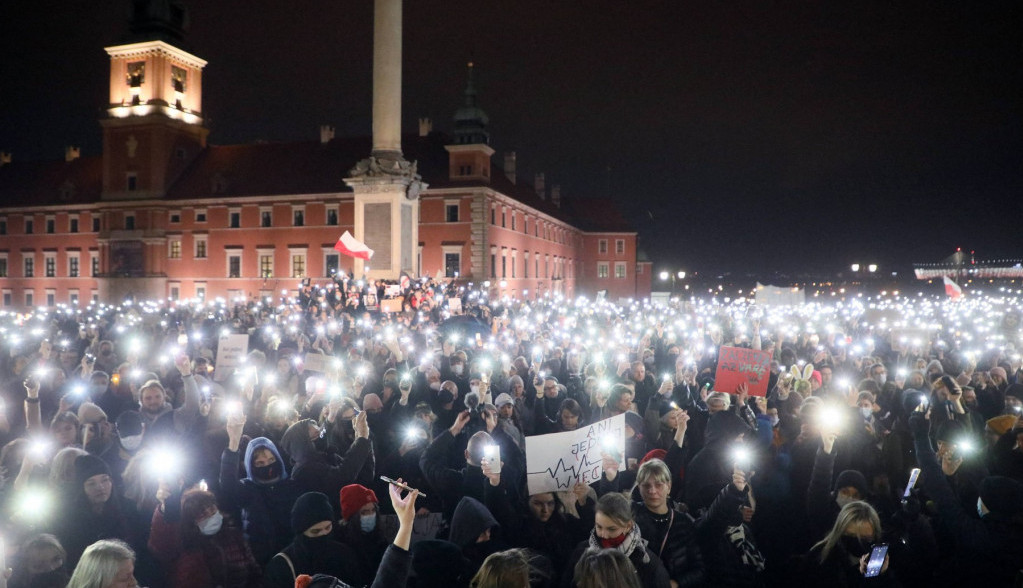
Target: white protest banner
x=455 y=305
x=557 y=461
x=231 y=350
x=315 y=362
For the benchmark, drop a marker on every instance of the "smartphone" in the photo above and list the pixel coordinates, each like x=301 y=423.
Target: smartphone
x=913 y=475
x=492 y=453
x=876 y=561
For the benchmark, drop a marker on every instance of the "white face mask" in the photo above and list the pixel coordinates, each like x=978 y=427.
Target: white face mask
x=774 y=421
x=474 y=388
x=980 y=507
x=881 y=378
x=131 y=443
x=211 y=526
x=843 y=500
x=435 y=385
x=368 y=523
x=458 y=369
x=866 y=411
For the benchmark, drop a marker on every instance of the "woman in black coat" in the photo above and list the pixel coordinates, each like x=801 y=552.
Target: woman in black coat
x=670 y=532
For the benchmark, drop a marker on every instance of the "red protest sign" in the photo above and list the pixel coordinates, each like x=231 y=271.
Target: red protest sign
x=737 y=365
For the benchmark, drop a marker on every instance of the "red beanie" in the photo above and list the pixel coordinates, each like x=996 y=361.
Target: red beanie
x=353 y=498
x=654 y=454
x=816 y=377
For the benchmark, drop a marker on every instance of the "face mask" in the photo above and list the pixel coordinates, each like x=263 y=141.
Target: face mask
x=211 y=526
x=854 y=546
x=368 y=523
x=474 y=388
x=843 y=500
x=435 y=385
x=881 y=379
x=648 y=361
x=774 y=421
x=131 y=443
x=320 y=444
x=980 y=507
x=457 y=369
x=614 y=541
x=866 y=411
x=267 y=472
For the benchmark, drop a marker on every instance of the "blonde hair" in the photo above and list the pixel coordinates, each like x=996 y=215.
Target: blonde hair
x=62 y=467
x=100 y=563
x=852 y=513
x=655 y=469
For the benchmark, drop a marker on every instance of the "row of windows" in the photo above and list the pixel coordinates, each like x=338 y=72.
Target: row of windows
x=331 y=261
x=603 y=269
x=266 y=219
x=560 y=266
x=51 y=297
x=28 y=266
x=549 y=233
x=50 y=225
x=619 y=246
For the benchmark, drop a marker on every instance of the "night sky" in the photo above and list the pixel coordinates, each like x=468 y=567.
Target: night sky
x=739 y=136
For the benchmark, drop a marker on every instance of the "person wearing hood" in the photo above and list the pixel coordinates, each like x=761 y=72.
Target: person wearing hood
x=615 y=528
x=363 y=528
x=313 y=549
x=475 y=531
x=726 y=538
x=988 y=548
x=128 y=432
x=265 y=495
x=161 y=419
x=711 y=468
x=507 y=420
x=315 y=470
x=39 y=564
x=824 y=501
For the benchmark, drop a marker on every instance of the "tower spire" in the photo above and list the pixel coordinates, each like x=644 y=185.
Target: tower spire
x=470 y=120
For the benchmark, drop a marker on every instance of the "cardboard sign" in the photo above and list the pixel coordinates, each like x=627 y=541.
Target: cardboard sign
x=455 y=305
x=231 y=350
x=391 y=305
x=392 y=291
x=557 y=461
x=315 y=362
x=737 y=365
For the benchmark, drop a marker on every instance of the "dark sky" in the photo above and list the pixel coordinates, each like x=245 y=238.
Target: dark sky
x=739 y=136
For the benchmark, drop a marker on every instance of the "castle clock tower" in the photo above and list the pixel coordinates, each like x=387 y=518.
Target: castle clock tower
x=154 y=124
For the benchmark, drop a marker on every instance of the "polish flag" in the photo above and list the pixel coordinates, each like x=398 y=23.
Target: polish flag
x=952 y=289
x=352 y=247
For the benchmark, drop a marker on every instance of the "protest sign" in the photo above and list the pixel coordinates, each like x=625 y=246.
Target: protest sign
x=455 y=305
x=737 y=365
x=231 y=350
x=555 y=462
x=391 y=304
x=315 y=362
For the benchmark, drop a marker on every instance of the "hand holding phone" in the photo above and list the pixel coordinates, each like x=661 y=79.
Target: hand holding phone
x=876 y=561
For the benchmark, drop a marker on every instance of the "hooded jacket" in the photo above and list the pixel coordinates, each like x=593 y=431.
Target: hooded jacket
x=470 y=520
x=314 y=471
x=266 y=508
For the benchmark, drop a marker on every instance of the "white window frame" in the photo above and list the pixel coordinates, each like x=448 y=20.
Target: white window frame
x=337 y=213
x=448 y=249
x=75 y=256
x=624 y=267
x=228 y=254
x=93 y=262
x=603 y=270
x=7 y=265
x=329 y=251
x=50 y=218
x=234 y=210
x=602 y=246
x=170 y=217
x=298 y=208
x=73 y=297
x=47 y=256
x=50 y=295
x=304 y=252
x=195 y=247
x=7 y=297
x=202 y=211
x=30 y=297
x=264 y=209
x=260 y=254
x=458 y=210
x=619 y=246
x=170 y=248
x=201 y=286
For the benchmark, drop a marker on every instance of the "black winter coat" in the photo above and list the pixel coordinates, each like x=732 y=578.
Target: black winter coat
x=723 y=561
x=680 y=552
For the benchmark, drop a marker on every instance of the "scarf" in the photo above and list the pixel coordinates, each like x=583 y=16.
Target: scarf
x=749 y=553
x=632 y=541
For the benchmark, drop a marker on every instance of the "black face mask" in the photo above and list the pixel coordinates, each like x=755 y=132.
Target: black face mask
x=267 y=472
x=320 y=444
x=854 y=546
x=50 y=579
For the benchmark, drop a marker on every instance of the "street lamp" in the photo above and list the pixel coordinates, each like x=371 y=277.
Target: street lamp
x=664 y=276
x=872 y=268
x=673 y=276
x=855 y=267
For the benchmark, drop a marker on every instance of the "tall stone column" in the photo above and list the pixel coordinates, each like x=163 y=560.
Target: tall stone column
x=386 y=185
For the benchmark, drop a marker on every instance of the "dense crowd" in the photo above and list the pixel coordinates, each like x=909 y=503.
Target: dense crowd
x=345 y=445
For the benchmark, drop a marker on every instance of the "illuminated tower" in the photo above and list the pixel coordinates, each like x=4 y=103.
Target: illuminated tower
x=154 y=124
x=386 y=185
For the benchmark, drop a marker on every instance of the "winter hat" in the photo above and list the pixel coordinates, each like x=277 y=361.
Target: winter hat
x=854 y=479
x=1001 y=424
x=653 y=454
x=353 y=498
x=437 y=563
x=724 y=425
x=89 y=413
x=310 y=508
x=1016 y=390
x=502 y=399
x=87 y=466
x=372 y=402
x=1001 y=495
x=817 y=377
x=129 y=424
x=634 y=422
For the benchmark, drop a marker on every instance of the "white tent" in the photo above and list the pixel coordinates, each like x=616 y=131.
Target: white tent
x=767 y=295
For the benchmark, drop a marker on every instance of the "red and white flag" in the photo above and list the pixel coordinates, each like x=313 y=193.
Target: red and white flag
x=352 y=247
x=952 y=289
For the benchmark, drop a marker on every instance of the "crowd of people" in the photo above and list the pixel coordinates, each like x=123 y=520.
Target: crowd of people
x=887 y=451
